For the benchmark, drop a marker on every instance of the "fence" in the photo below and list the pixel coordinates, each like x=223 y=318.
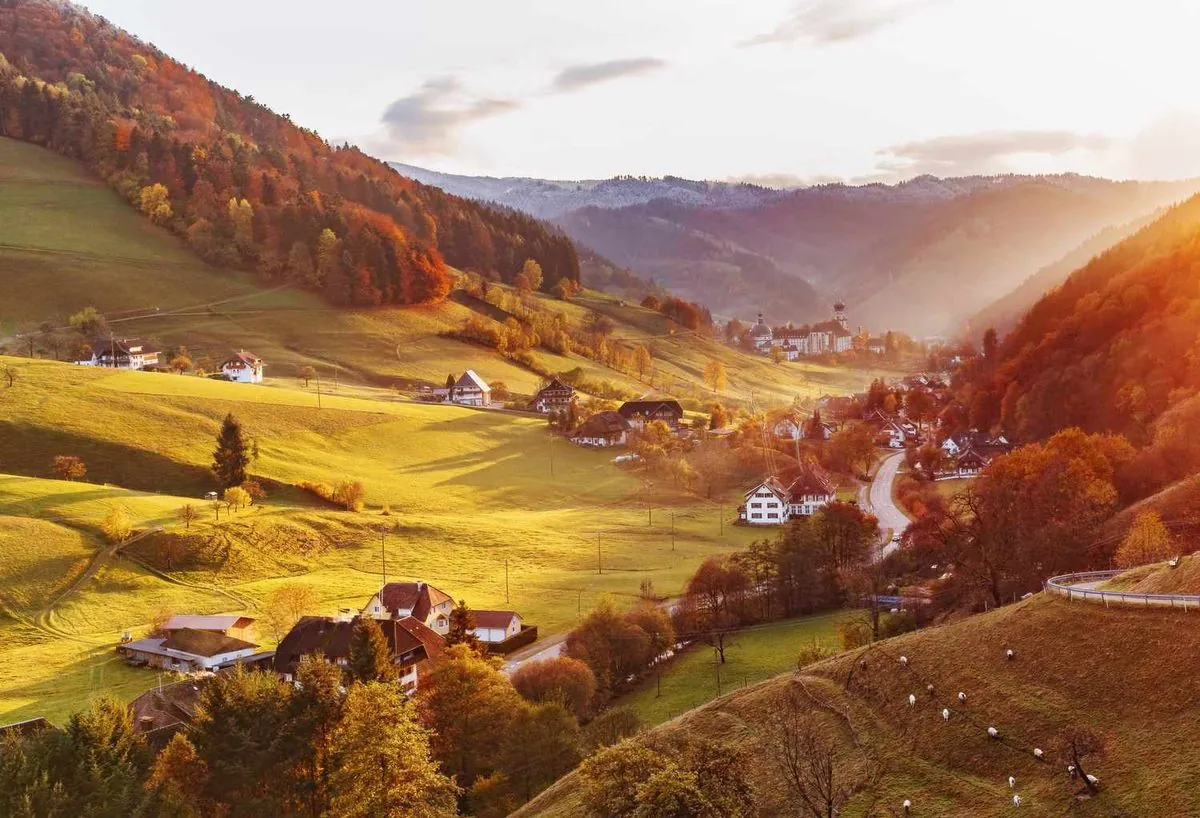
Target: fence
x=1066 y=585
x=527 y=636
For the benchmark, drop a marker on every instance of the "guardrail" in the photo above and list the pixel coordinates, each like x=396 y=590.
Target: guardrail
x=1065 y=585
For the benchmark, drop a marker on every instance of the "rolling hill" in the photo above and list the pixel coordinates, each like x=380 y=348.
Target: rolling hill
x=889 y=250
x=1122 y=673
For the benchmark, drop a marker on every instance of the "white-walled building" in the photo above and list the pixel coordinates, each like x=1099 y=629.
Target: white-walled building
x=493 y=627
x=243 y=367
x=769 y=503
x=121 y=353
x=420 y=600
x=470 y=390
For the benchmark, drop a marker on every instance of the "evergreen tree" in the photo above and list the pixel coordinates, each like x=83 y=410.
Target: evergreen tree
x=231 y=456
x=462 y=628
x=370 y=656
x=317 y=708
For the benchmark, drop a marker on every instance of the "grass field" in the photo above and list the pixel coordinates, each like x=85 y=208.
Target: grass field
x=467 y=490
x=752 y=655
x=1124 y=673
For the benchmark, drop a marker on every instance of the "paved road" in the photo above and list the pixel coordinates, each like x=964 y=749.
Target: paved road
x=877 y=499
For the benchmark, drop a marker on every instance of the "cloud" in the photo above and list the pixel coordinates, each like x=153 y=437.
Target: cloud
x=984 y=153
x=429 y=121
x=575 y=77
x=825 y=22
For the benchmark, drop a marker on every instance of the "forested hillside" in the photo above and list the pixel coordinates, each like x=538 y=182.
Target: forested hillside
x=243 y=185
x=1112 y=349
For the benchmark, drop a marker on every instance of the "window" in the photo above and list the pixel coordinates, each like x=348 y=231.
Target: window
x=756 y=505
x=772 y=516
x=756 y=516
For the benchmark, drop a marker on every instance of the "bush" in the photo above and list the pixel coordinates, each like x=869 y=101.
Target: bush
x=854 y=633
x=611 y=727
x=255 y=490
x=815 y=651
x=117 y=526
x=321 y=490
x=349 y=494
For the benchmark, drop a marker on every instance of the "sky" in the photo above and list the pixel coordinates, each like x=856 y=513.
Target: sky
x=774 y=91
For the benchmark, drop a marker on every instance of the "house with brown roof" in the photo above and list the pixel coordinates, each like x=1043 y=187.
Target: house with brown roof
x=411 y=643
x=420 y=600
x=553 y=396
x=770 y=503
x=640 y=412
x=188 y=650
x=243 y=367
x=226 y=625
x=602 y=429
x=161 y=712
x=121 y=353
x=493 y=627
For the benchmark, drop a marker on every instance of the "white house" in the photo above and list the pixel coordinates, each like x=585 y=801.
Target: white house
x=121 y=353
x=243 y=368
x=471 y=390
x=188 y=650
x=766 y=504
x=420 y=600
x=493 y=627
x=769 y=503
x=789 y=428
x=602 y=429
x=951 y=447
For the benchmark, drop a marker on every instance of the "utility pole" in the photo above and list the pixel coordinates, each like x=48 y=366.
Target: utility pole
x=672 y=530
x=579 y=605
x=599 y=564
x=506 y=580
x=717 y=656
x=383 y=554
x=318 y=391
x=649 y=513
x=552 y=454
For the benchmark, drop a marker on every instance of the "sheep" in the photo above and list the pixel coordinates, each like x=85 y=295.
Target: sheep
x=962 y=697
x=1012 y=782
x=945 y=714
x=1071 y=770
x=993 y=732
x=1038 y=754
x=907 y=806
x=862 y=663
x=1016 y=800
x=1093 y=780
x=904 y=661
x=929 y=689
x=1009 y=653
x=912 y=699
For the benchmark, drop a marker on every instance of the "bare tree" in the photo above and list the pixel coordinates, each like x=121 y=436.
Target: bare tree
x=807 y=758
x=187 y=515
x=10 y=375
x=1077 y=743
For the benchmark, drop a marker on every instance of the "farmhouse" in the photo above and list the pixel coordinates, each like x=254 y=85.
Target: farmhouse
x=420 y=600
x=243 y=367
x=640 y=412
x=769 y=503
x=469 y=390
x=552 y=396
x=189 y=650
x=410 y=643
x=163 y=711
x=123 y=353
x=970 y=462
x=602 y=429
x=790 y=427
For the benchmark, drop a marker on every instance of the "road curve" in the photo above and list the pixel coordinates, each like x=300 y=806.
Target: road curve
x=877 y=499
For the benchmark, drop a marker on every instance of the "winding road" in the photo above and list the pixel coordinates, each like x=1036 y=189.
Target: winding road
x=877 y=499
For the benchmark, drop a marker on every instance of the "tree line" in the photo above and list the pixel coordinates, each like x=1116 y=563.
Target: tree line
x=243 y=186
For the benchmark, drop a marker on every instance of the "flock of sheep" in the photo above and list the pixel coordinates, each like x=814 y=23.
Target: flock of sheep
x=992 y=732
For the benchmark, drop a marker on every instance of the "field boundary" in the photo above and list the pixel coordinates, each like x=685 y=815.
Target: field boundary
x=1082 y=586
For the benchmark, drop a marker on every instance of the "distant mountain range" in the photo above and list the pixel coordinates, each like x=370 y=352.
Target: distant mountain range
x=923 y=256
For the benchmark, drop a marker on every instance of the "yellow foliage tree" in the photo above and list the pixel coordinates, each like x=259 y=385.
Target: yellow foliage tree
x=242 y=216
x=236 y=498
x=155 y=201
x=116 y=525
x=714 y=375
x=1148 y=541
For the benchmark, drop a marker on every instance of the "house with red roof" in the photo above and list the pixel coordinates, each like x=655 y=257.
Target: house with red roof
x=420 y=600
x=243 y=367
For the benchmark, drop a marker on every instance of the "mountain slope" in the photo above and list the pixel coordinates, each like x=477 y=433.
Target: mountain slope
x=1112 y=348
x=889 y=250
x=244 y=186
x=1004 y=313
x=1120 y=672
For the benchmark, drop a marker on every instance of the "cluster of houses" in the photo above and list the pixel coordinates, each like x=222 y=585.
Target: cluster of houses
x=612 y=428
x=135 y=355
x=414 y=617
x=831 y=336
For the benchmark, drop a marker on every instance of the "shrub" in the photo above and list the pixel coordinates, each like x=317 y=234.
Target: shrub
x=611 y=727
x=567 y=681
x=349 y=494
x=67 y=467
x=854 y=633
x=815 y=651
x=255 y=490
x=320 y=490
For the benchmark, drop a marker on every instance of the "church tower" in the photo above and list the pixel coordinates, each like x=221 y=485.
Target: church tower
x=839 y=314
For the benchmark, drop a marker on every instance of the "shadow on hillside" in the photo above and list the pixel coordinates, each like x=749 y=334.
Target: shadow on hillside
x=28 y=450
x=93 y=672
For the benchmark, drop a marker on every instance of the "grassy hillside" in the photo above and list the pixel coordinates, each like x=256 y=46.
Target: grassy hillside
x=467 y=491
x=67 y=242
x=1124 y=673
